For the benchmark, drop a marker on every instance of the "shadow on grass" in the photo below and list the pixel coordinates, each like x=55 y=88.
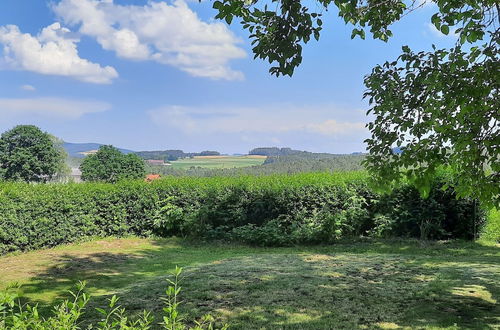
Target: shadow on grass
x=319 y=291
x=372 y=284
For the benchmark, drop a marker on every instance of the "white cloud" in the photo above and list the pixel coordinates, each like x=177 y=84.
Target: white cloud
x=169 y=34
x=52 y=52
x=28 y=88
x=49 y=107
x=276 y=119
x=432 y=28
x=333 y=127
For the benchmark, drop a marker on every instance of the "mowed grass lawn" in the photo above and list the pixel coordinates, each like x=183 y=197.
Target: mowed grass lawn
x=370 y=284
x=219 y=161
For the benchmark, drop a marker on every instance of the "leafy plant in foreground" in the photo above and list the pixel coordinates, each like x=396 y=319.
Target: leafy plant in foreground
x=116 y=318
x=16 y=315
x=68 y=315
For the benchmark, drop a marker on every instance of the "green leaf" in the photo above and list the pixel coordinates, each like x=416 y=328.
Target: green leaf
x=217 y=5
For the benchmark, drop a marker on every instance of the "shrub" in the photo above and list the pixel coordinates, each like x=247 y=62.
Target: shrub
x=168 y=218
x=271 y=233
x=272 y=210
x=491 y=230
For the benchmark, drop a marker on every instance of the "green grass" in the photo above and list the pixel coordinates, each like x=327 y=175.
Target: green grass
x=366 y=284
x=217 y=162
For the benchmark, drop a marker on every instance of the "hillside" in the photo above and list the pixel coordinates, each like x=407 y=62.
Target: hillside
x=77 y=149
x=259 y=161
x=300 y=163
x=169 y=155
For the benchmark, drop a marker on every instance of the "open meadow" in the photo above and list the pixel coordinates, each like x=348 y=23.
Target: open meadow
x=214 y=162
x=375 y=284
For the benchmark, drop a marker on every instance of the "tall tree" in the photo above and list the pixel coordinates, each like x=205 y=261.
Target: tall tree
x=28 y=154
x=108 y=164
x=441 y=106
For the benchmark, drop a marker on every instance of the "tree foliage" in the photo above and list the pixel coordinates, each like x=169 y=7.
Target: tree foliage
x=275 y=151
x=110 y=165
x=441 y=106
x=29 y=154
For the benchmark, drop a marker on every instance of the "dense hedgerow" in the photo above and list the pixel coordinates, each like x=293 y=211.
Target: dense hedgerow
x=269 y=210
x=491 y=230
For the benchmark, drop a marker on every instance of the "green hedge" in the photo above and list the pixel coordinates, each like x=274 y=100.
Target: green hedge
x=491 y=230
x=269 y=210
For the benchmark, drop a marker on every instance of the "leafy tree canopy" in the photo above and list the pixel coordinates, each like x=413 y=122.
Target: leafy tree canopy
x=110 y=165
x=441 y=106
x=28 y=154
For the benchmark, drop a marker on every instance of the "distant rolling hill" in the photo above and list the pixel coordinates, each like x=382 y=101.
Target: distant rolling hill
x=77 y=149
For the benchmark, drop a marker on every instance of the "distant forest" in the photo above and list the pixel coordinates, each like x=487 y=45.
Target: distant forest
x=171 y=155
x=279 y=160
x=275 y=151
x=298 y=163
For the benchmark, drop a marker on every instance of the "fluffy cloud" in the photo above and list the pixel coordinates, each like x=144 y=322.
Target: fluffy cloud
x=320 y=128
x=275 y=119
x=333 y=127
x=49 y=107
x=169 y=34
x=28 y=88
x=52 y=52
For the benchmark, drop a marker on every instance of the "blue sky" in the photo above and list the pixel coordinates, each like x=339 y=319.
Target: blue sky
x=148 y=75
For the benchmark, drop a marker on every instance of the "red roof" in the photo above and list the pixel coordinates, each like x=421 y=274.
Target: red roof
x=151 y=177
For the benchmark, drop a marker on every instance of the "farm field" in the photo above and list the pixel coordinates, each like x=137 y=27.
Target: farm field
x=391 y=284
x=218 y=161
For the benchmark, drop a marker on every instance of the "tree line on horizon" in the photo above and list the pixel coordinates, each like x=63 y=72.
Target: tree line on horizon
x=285 y=151
x=173 y=154
x=291 y=164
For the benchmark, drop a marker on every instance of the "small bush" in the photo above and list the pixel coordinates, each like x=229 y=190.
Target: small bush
x=271 y=233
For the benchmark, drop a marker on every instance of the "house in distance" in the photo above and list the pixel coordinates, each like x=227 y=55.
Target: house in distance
x=156 y=162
